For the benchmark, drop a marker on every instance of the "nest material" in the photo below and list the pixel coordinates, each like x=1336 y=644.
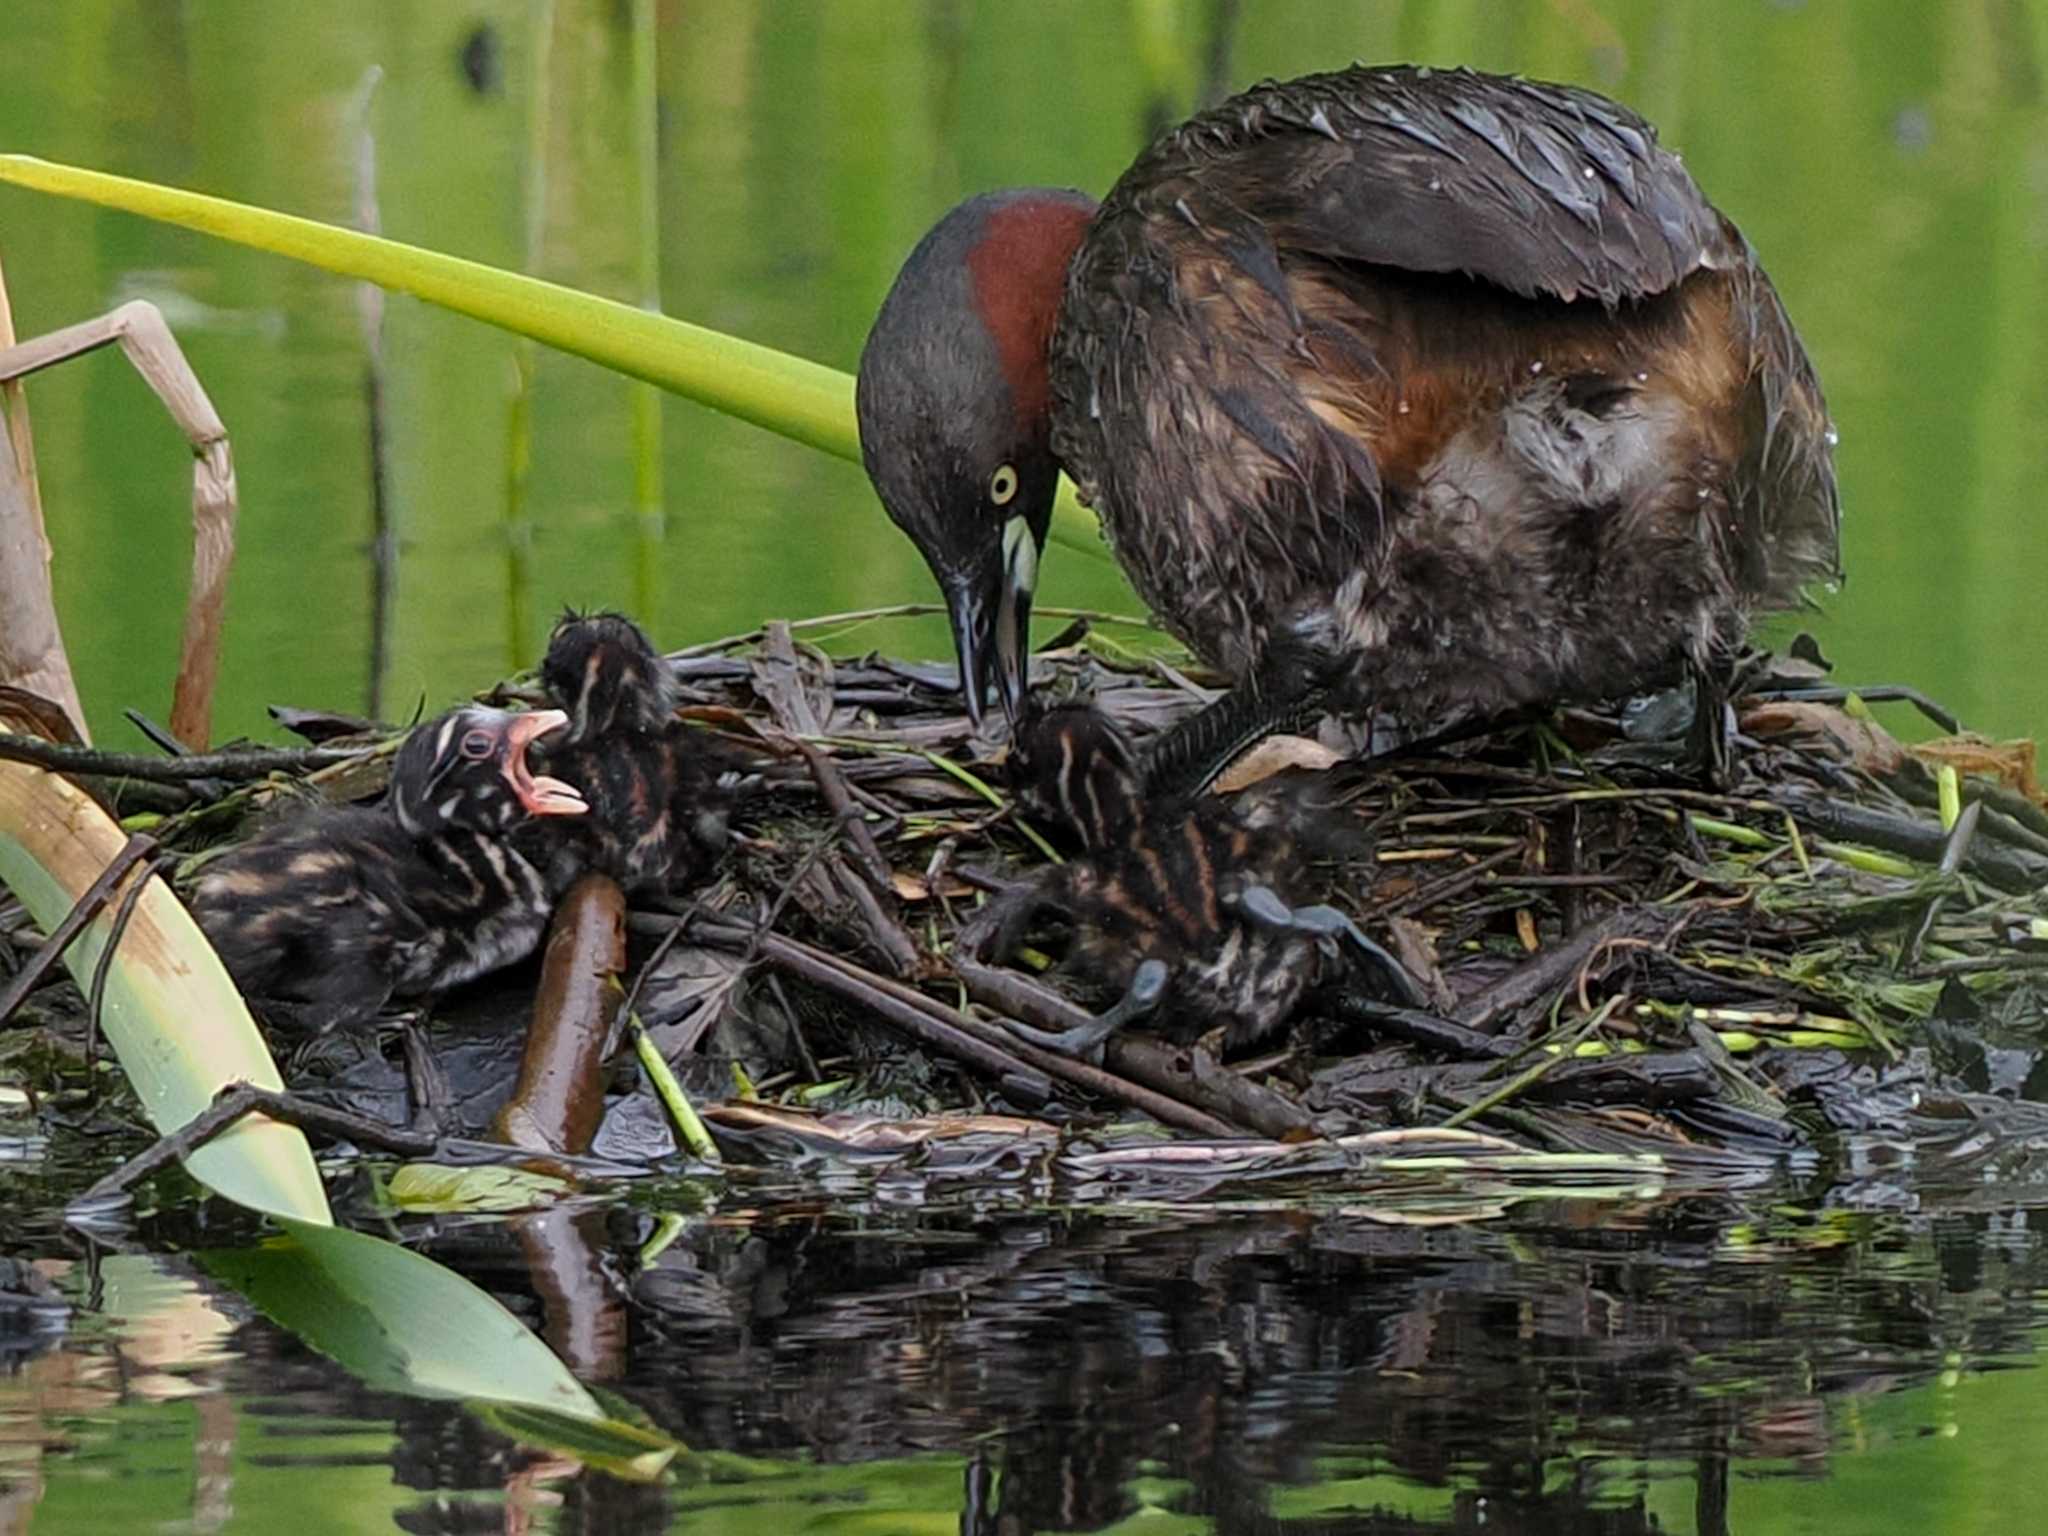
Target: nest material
x=1617 y=959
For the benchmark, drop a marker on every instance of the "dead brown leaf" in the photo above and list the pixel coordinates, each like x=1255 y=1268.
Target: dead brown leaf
x=36 y=714
x=1415 y=947
x=1276 y=754
x=795 y=682
x=1863 y=742
x=909 y=887
x=2010 y=763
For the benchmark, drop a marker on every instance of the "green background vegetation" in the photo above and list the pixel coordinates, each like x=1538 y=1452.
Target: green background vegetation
x=1888 y=158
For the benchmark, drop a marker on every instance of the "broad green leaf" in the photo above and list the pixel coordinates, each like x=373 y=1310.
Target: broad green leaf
x=422 y=1187
x=799 y=399
x=171 y=1012
x=399 y=1320
x=618 y=1446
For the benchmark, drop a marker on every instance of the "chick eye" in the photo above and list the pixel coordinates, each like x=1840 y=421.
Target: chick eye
x=477 y=744
x=1002 y=485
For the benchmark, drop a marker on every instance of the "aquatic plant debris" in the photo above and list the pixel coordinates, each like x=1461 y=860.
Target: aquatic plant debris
x=1708 y=985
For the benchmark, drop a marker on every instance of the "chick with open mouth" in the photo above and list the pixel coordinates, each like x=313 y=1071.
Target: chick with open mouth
x=323 y=919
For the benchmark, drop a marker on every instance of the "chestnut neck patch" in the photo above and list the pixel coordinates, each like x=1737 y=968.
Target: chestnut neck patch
x=1018 y=268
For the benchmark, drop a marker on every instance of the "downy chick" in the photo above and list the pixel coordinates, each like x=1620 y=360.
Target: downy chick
x=1198 y=911
x=659 y=793
x=323 y=919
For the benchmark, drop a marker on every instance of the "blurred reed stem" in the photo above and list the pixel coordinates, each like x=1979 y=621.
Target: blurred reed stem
x=649 y=521
x=517 y=525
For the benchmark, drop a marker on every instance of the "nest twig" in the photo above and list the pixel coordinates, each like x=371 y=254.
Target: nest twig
x=1577 y=904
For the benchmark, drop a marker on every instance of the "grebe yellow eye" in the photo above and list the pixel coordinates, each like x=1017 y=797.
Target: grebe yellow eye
x=1002 y=485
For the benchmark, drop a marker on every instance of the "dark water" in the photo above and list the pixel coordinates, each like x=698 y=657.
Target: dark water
x=1702 y=1365
x=1790 y=1361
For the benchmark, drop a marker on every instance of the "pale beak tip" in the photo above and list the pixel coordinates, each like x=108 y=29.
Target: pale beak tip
x=553 y=797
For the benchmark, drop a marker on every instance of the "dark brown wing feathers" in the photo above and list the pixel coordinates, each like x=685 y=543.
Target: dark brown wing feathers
x=1344 y=331
x=1538 y=189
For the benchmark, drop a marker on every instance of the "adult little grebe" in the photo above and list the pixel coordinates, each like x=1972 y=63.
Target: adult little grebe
x=1423 y=390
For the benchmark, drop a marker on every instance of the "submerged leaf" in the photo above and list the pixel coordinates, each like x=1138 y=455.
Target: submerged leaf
x=397 y=1320
x=628 y=1451
x=423 y=1188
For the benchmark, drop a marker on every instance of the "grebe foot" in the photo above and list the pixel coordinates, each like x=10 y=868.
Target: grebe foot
x=1330 y=928
x=1141 y=997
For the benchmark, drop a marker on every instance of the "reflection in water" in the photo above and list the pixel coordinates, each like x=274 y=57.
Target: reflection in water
x=1578 y=1368
x=1267 y=1361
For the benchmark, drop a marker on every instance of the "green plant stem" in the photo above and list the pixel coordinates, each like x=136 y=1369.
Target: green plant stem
x=688 y=1125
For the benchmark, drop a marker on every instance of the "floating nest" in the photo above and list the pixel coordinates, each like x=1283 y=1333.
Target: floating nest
x=1618 y=961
